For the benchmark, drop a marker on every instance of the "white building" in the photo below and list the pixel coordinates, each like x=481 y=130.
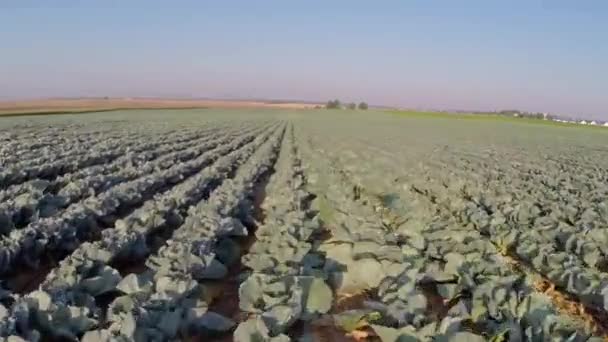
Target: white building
x=583 y=122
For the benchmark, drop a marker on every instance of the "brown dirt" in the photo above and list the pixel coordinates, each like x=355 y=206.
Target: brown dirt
x=595 y=320
x=26 y=279
x=128 y=266
x=437 y=306
x=223 y=295
x=325 y=330
x=345 y=302
x=328 y=332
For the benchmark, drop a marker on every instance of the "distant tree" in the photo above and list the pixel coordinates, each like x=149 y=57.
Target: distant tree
x=335 y=104
x=363 y=106
x=510 y=112
x=352 y=106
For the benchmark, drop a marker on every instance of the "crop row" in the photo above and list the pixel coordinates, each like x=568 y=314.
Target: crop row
x=83 y=219
x=19 y=141
x=565 y=210
x=147 y=149
x=74 y=157
x=27 y=207
x=558 y=198
x=362 y=253
x=451 y=237
x=169 y=300
x=78 y=146
x=553 y=224
x=285 y=283
x=50 y=167
x=86 y=272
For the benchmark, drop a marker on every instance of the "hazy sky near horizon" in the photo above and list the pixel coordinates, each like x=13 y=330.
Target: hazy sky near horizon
x=545 y=55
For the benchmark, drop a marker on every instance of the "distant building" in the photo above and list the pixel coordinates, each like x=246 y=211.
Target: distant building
x=583 y=122
x=593 y=123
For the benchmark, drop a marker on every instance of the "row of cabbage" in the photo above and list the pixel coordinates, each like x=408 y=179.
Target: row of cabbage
x=86 y=274
x=169 y=299
x=562 y=203
x=556 y=195
x=148 y=148
x=559 y=230
x=19 y=166
x=451 y=256
x=80 y=221
x=363 y=254
x=50 y=138
x=551 y=219
x=549 y=235
x=58 y=181
x=284 y=283
x=69 y=158
x=49 y=197
x=79 y=145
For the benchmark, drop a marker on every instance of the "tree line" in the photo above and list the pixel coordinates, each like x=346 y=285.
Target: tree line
x=336 y=104
x=524 y=114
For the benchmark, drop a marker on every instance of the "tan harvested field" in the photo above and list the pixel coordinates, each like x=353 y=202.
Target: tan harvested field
x=53 y=106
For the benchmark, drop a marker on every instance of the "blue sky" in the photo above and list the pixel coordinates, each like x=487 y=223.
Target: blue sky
x=533 y=55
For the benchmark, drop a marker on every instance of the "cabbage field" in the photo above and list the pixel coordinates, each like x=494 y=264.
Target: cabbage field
x=268 y=225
